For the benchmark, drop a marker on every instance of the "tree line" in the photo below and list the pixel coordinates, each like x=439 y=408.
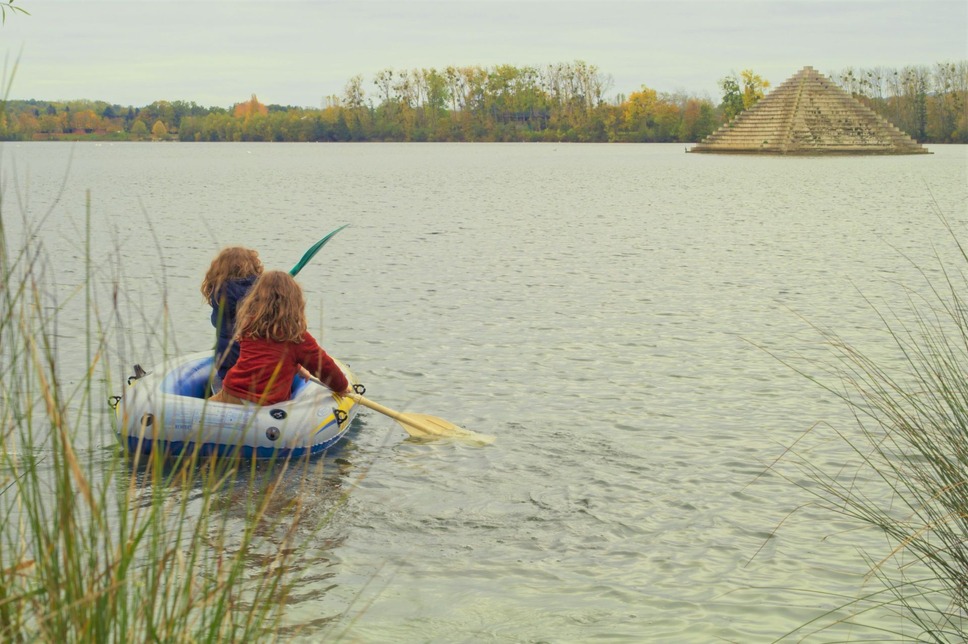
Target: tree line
x=930 y=104
x=564 y=102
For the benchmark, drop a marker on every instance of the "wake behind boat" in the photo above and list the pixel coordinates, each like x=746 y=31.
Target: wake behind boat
x=166 y=409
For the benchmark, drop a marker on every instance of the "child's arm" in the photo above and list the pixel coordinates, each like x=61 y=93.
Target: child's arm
x=318 y=363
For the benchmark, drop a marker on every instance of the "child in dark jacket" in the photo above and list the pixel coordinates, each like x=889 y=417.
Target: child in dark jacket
x=274 y=345
x=229 y=278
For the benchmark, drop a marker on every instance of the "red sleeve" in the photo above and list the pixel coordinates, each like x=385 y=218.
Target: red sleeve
x=318 y=363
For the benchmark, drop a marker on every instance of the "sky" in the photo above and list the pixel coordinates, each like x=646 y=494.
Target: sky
x=298 y=52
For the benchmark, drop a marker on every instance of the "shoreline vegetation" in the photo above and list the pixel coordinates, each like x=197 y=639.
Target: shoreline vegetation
x=904 y=473
x=100 y=546
x=556 y=103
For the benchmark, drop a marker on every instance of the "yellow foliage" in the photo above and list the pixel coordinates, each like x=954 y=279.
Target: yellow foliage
x=753 y=86
x=640 y=105
x=86 y=120
x=250 y=108
x=158 y=130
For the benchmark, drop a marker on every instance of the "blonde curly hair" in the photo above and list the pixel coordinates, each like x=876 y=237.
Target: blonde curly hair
x=274 y=309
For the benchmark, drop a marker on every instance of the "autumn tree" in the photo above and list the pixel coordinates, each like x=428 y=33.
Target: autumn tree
x=28 y=125
x=158 y=130
x=249 y=109
x=698 y=120
x=51 y=123
x=753 y=88
x=640 y=105
x=87 y=120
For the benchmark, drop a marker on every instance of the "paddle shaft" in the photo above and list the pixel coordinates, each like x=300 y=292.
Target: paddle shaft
x=421 y=426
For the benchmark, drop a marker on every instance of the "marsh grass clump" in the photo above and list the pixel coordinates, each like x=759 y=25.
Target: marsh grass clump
x=99 y=546
x=909 y=475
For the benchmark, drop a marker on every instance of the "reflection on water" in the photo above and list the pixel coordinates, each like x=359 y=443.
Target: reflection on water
x=613 y=314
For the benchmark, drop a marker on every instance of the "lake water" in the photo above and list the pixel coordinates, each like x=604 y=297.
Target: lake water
x=615 y=315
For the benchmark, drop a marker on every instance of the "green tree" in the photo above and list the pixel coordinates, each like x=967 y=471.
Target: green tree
x=667 y=118
x=255 y=127
x=138 y=131
x=159 y=111
x=915 y=84
x=434 y=89
x=732 y=103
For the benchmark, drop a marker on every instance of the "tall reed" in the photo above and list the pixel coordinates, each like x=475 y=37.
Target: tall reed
x=96 y=546
x=909 y=480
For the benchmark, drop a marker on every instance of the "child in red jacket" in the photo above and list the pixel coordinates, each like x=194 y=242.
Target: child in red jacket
x=274 y=344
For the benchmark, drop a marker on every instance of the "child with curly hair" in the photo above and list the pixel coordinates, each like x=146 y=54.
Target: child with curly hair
x=274 y=344
x=231 y=275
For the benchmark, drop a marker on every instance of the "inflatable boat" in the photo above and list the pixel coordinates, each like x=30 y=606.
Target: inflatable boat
x=167 y=409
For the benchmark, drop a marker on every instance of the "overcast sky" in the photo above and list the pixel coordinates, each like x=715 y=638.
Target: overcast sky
x=296 y=52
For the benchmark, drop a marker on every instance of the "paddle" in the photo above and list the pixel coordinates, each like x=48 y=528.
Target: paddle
x=425 y=426
x=309 y=254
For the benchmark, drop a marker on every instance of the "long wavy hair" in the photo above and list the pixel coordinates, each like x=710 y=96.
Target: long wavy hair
x=231 y=263
x=274 y=309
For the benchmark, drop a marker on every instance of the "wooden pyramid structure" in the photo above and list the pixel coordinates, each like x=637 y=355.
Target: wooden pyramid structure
x=809 y=115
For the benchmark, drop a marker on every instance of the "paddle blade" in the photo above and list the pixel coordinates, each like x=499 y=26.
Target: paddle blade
x=427 y=426
x=423 y=426
x=309 y=254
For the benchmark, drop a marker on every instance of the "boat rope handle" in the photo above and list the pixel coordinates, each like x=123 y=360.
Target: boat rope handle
x=113 y=401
